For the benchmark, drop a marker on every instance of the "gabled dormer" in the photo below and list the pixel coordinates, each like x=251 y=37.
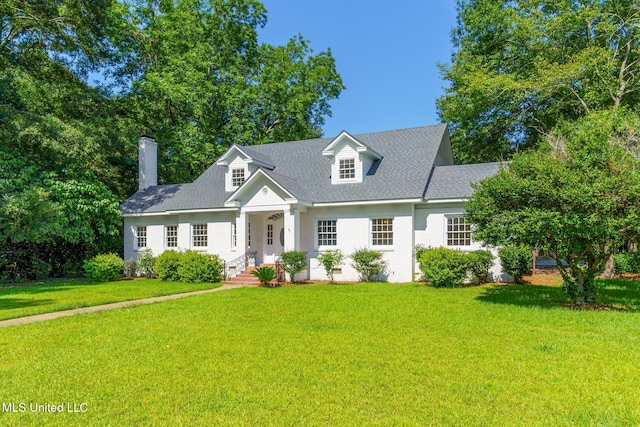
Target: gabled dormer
x=351 y=159
x=241 y=162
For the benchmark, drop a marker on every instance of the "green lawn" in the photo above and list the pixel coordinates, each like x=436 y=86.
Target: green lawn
x=370 y=354
x=57 y=295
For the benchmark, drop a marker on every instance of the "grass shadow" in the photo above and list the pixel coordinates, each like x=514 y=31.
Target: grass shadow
x=614 y=294
x=14 y=303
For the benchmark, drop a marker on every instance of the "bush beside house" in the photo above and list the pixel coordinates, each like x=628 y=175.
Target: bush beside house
x=189 y=266
x=104 y=267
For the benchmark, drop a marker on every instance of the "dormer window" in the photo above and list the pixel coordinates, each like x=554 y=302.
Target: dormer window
x=347 y=169
x=237 y=177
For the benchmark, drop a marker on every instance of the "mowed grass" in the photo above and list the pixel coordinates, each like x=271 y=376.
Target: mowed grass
x=57 y=295
x=369 y=354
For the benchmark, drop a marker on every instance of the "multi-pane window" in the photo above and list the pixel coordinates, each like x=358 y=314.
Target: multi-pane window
x=327 y=232
x=382 y=231
x=347 y=168
x=172 y=236
x=248 y=234
x=199 y=234
x=269 y=234
x=141 y=236
x=458 y=231
x=237 y=177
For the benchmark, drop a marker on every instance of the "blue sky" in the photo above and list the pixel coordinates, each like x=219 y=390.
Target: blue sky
x=385 y=51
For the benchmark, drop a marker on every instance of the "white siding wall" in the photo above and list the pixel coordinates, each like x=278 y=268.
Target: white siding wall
x=354 y=232
x=218 y=233
x=431 y=231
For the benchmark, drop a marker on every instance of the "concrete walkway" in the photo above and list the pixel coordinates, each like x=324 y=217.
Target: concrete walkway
x=73 y=312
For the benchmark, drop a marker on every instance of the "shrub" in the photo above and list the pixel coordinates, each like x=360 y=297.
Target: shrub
x=627 y=262
x=146 y=264
x=443 y=267
x=103 y=268
x=130 y=268
x=265 y=275
x=196 y=266
x=516 y=261
x=478 y=263
x=167 y=264
x=293 y=262
x=368 y=263
x=330 y=260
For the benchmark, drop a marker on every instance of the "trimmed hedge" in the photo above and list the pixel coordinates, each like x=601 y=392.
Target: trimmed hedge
x=448 y=268
x=189 y=266
x=104 y=267
x=516 y=261
x=368 y=263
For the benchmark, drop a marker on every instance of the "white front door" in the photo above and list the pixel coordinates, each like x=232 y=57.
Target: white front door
x=274 y=238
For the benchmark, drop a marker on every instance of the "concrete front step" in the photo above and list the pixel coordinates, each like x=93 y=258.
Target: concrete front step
x=246 y=278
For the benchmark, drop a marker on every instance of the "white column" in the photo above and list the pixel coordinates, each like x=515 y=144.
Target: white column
x=241 y=232
x=291 y=229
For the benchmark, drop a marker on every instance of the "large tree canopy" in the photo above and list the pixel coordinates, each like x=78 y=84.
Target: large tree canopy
x=579 y=201
x=201 y=81
x=192 y=73
x=520 y=67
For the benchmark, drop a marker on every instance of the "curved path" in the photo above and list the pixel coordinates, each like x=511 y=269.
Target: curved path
x=72 y=312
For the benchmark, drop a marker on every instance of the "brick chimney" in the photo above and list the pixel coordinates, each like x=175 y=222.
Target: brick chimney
x=147 y=162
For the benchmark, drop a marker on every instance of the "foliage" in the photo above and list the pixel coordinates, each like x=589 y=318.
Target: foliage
x=443 y=267
x=368 y=263
x=521 y=67
x=293 y=262
x=167 y=264
x=200 y=81
x=627 y=262
x=104 y=267
x=578 y=202
x=265 y=275
x=131 y=268
x=516 y=261
x=47 y=219
x=478 y=264
x=197 y=267
x=146 y=264
x=189 y=72
x=330 y=260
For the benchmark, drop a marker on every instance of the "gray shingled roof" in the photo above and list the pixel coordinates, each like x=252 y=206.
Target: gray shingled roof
x=300 y=167
x=454 y=182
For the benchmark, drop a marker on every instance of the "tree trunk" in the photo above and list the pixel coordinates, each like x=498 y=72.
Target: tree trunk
x=609 y=269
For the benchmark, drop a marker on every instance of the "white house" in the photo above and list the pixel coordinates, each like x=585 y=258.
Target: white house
x=388 y=191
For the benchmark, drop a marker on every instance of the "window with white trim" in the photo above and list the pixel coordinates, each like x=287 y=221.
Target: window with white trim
x=347 y=168
x=382 y=231
x=327 y=232
x=199 y=235
x=237 y=177
x=458 y=231
x=172 y=236
x=141 y=236
x=248 y=234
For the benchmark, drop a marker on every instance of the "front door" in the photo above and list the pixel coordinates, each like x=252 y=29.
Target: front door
x=274 y=238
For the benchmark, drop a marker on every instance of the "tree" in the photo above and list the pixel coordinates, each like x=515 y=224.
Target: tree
x=522 y=66
x=578 y=202
x=293 y=262
x=200 y=81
